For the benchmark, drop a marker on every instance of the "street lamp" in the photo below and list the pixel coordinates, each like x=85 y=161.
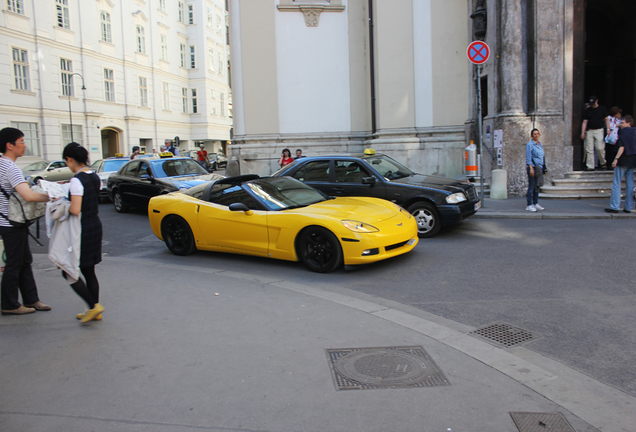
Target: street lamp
x=70 y=116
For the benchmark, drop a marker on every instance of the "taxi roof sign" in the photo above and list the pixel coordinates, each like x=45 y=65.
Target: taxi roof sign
x=369 y=152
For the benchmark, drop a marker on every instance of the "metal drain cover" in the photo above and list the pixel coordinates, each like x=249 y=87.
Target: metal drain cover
x=504 y=334
x=541 y=422
x=389 y=367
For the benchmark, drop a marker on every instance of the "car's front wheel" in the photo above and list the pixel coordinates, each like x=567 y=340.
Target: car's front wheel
x=319 y=249
x=178 y=236
x=118 y=201
x=427 y=218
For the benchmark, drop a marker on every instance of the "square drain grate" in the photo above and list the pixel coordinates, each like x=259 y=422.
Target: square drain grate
x=541 y=422
x=503 y=334
x=382 y=368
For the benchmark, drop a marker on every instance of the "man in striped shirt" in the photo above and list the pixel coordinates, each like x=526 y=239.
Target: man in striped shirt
x=17 y=270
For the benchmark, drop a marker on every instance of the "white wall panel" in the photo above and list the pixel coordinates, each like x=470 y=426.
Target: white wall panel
x=313 y=73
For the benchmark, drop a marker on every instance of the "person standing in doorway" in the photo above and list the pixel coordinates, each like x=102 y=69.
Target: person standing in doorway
x=17 y=275
x=84 y=194
x=535 y=164
x=624 y=165
x=614 y=119
x=595 y=117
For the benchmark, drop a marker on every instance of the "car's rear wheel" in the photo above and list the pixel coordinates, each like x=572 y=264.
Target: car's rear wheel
x=118 y=201
x=319 y=249
x=36 y=180
x=427 y=218
x=178 y=236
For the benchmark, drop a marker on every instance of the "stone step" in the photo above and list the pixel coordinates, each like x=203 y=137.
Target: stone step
x=577 y=190
x=573 y=196
x=590 y=175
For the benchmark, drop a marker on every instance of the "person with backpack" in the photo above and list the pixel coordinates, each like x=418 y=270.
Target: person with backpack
x=17 y=275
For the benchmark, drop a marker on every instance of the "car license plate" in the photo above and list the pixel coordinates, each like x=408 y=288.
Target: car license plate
x=478 y=206
x=410 y=242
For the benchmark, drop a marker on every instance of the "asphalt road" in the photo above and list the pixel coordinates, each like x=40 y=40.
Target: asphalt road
x=571 y=283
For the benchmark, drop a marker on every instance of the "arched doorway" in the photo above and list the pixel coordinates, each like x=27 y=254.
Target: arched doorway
x=604 y=59
x=110 y=142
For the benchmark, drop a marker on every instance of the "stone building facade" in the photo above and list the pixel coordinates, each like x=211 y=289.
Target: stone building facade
x=121 y=73
x=342 y=75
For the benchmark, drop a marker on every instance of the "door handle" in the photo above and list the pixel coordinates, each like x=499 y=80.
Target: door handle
x=338 y=189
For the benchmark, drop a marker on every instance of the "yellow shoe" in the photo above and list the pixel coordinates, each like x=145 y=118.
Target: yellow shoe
x=81 y=315
x=89 y=315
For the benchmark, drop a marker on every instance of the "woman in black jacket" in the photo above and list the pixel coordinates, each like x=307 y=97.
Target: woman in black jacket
x=84 y=196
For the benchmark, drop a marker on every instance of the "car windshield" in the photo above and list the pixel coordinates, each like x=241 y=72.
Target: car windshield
x=113 y=165
x=170 y=167
x=36 y=166
x=282 y=193
x=388 y=168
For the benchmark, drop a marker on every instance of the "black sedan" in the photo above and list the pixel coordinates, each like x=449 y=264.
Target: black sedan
x=434 y=201
x=141 y=179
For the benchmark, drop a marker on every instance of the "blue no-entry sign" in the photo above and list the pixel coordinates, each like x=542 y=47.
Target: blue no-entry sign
x=478 y=52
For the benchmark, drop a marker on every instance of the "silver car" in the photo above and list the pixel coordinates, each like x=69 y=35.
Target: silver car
x=55 y=171
x=104 y=168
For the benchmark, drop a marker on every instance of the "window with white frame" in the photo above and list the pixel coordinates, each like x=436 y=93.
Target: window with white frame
x=162 y=5
x=219 y=23
x=141 y=39
x=109 y=85
x=195 y=108
x=190 y=14
x=63 y=16
x=193 y=64
x=221 y=104
x=163 y=39
x=213 y=102
x=16 y=6
x=183 y=54
x=31 y=137
x=211 y=59
x=143 y=92
x=104 y=18
x=210 y=18
x=181 y=15
x=66 y=75
x=77 y=135
x=184 y=100
x=166 y=95
x=221 y=63
x=21 y=69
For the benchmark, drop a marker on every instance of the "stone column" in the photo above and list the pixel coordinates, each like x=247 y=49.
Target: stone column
x=549 y=62
x=511 y=57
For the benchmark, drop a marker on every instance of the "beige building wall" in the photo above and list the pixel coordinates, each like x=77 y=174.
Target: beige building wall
x=258 y=57
x=450 y=63
x=394 y=64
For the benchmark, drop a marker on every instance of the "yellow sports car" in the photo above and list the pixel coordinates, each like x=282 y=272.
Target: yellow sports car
x=282 y=218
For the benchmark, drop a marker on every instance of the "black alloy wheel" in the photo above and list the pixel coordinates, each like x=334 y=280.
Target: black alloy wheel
x=118 y=201
x=319 y=249
x=178 y=236
x=427 y=218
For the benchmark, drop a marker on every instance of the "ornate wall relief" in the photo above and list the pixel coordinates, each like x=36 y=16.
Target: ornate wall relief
x=311 y=9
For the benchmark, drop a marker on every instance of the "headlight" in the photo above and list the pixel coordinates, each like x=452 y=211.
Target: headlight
x=359 y=227
x=456 y=198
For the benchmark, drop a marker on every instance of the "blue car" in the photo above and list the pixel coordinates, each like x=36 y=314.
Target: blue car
x=141 y=179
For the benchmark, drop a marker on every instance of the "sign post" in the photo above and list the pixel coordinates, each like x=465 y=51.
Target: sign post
x=478 y=53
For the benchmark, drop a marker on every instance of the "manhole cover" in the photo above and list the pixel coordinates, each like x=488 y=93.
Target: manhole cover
x=541 y=422
x=389 y=367
x=504 y=334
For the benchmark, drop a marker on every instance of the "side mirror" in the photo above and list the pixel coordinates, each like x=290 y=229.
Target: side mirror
x=240 y=207
x=369 y=180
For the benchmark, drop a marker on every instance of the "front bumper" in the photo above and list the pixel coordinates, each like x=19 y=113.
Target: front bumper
x=453 y=213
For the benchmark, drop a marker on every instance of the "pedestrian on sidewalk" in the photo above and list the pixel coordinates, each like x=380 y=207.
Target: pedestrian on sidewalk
x=535 y=166
x=84 y=196
x=624 y=165
x=17 y=274
x=595 y=117
x=614 y=119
